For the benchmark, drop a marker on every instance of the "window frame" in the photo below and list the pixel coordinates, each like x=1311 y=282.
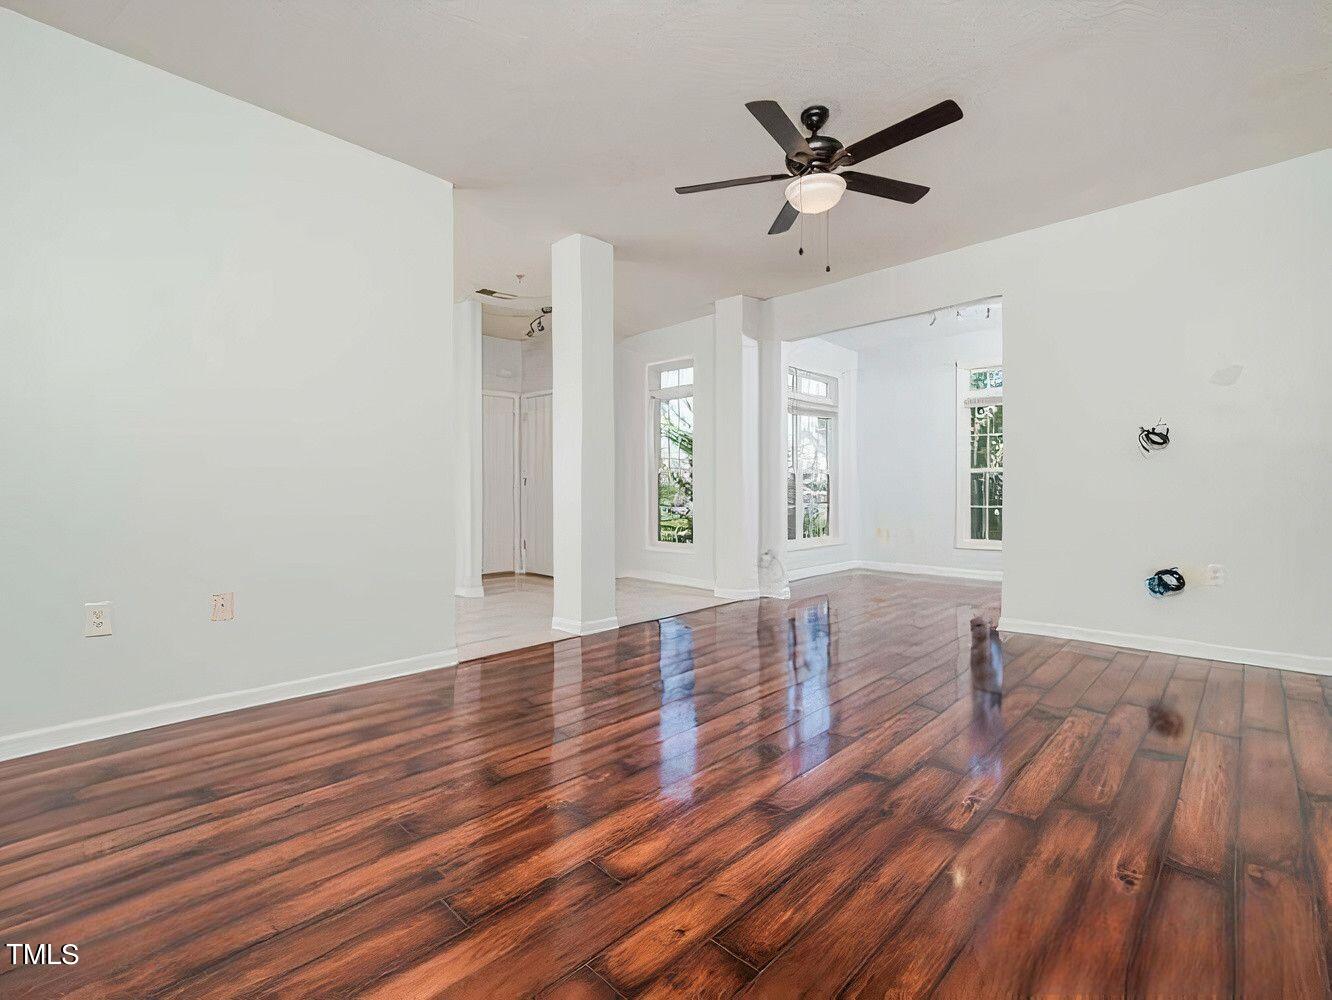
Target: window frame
x=655 y=395
x=798 y=403
x=968 y=397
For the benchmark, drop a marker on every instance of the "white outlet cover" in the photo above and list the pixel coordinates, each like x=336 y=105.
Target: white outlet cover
x=97 y=619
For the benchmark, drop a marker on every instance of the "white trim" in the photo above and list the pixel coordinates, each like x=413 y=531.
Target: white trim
x=671 y=579
x=103 y=726
x=584 y=628
x=750 y=594
x=469 y=592
x=822 y=542
x=823 y=570
x=1177 y=647
x=966 y=398
x=520 y=484
x=655 y=395
x=517 y=472
x=796 y=405
x=957 y=572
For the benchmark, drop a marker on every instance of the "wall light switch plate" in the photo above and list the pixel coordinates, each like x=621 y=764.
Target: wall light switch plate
x=224 y=607
x=97 y=619
x=1216 y=575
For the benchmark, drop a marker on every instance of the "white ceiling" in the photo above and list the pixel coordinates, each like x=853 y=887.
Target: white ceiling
x=581 y=116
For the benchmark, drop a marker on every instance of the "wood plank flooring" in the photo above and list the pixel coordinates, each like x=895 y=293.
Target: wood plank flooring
x=765 y=798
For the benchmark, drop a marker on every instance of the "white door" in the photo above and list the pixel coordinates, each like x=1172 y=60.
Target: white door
x=499 y=520
x=538 y=541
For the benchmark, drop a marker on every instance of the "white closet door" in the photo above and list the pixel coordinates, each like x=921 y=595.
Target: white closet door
x=498 y=503
x=538 y=533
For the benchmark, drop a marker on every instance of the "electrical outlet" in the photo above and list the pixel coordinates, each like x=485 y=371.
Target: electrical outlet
x=881 y=534
x=97 y=619
x=1216 y=575
x=224 y=607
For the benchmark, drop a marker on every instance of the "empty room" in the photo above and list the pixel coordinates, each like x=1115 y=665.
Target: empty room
x=653 y=499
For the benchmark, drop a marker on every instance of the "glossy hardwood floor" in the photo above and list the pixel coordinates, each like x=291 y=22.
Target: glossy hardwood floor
x=784 y=799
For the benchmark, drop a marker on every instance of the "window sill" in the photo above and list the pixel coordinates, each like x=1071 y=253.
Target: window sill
x=968 y=543
x=670 y=546
x=812 y=543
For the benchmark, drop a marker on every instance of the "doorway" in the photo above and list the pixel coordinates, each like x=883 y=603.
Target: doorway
x=499 y=464
x=536 y=531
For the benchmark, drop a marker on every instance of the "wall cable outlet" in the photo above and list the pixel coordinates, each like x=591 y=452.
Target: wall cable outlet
x=97 y=619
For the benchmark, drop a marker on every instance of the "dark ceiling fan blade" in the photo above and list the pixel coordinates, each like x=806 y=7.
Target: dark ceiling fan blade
x=943 y=113
x=717 y=185
x=771 y=116
x=784 y=219
x=883 y=187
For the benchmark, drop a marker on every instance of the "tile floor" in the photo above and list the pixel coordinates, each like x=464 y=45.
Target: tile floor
x=517 y=608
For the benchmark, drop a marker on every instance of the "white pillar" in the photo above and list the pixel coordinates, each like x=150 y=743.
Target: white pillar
x=736 y=546
x=583 y=365
x=467 y=441
x=772 y=458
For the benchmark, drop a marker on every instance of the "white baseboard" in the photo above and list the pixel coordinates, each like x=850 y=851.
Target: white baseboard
x=729 y=594
x=671 y=579
x=1177 y=647
x=469 y=592
x=993 y=575
x=584 y=628
x=808 y=571
x=84 y=730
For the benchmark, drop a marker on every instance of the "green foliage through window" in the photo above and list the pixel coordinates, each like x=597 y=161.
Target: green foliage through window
x=986 y=378
x=809 y=476
x=987 y=468
x=675 y=469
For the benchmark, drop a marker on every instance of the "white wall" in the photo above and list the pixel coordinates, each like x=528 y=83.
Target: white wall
x=1122 y=317
x=908 y=465
x=224 y=337
x=826 y=358
x=537 y=371
x=501 y=365
x=636 y=554
x=526 y=362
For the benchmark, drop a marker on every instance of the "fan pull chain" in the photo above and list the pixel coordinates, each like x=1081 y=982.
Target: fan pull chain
x=800 y=201
x=827 y=243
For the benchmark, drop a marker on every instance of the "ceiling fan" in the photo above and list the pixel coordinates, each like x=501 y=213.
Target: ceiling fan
x=814 y=165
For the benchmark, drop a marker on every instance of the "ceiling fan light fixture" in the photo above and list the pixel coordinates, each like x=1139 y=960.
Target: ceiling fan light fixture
x=815 y=193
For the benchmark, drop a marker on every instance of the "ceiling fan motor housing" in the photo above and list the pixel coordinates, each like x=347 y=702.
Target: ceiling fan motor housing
x=825 y=147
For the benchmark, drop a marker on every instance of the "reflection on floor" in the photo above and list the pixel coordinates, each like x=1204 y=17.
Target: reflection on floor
x=516 y=611
x=773 y=798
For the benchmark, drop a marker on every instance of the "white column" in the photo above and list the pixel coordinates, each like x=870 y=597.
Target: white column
x=583 y=364
x=467 y=441
x=772 y=458
x=736 y=545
